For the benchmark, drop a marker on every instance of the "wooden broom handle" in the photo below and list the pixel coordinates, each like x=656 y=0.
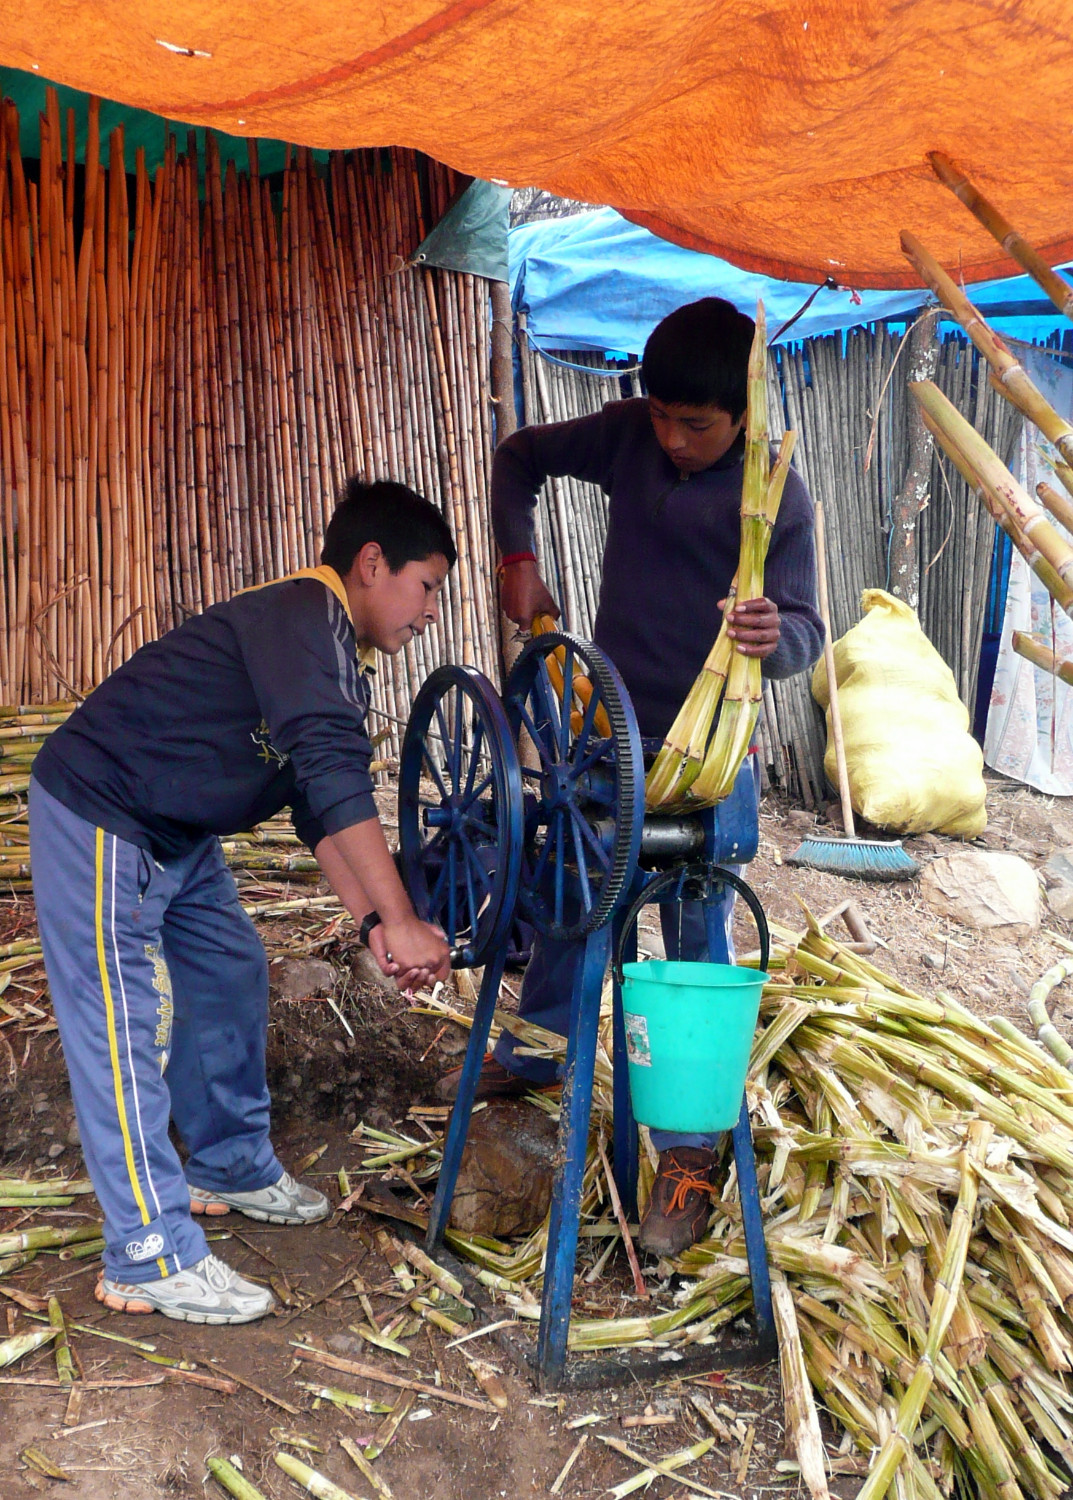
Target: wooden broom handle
x=832 y=685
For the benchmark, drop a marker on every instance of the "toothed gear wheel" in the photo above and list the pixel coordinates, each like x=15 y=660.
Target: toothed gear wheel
x=584 y=802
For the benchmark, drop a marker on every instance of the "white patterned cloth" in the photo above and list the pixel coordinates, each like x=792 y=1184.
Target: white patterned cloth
x=1030 y=719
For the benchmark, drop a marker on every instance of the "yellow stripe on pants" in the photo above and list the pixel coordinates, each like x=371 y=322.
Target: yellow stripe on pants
x=113 y=1041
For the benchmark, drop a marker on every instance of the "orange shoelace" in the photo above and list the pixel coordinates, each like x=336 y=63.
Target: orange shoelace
x=685 y=1182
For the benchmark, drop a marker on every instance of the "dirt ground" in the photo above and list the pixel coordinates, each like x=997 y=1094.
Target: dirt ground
x=152 y=1437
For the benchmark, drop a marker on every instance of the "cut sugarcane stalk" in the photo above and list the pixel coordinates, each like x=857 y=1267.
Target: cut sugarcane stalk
x=47 y=1237
x=582 y=687
x=964 y=444
x=802 y=1419
x=65 y=1370
x=944 y=1300
x=21 y=1344
x=351 y=1449
x=346 y=1398
x=997 y=225
x=234 y=1483
x=1012 y=379
x=1060 y=506
x=19 y=1187
x=16 y=1262
x=1041 y=655
x=741 y=700
x=310 y=1479
x=665 y=1466
x=853 y=1070
x=682 y=752
x=1060 y=591
x=385 y=1433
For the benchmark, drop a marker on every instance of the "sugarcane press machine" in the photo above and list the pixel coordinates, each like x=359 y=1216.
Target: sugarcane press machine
x=527 y=807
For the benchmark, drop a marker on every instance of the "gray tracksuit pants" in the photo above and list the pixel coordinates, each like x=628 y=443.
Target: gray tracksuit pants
x=159 y=985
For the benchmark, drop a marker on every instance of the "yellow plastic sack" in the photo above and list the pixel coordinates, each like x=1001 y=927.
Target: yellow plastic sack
x=912 y=764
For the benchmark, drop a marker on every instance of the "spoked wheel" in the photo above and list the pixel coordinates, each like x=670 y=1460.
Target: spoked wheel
x=584 y=795
x=460 y=812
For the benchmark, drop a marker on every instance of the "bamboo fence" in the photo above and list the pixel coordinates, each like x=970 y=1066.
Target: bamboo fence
x=841 y=397
x=191 y=366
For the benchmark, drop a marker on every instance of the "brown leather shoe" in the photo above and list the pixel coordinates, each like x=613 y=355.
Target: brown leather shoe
x=681 y=1201
x=494 y=1082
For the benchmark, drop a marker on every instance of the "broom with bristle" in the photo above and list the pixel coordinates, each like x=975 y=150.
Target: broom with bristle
x=868 y=859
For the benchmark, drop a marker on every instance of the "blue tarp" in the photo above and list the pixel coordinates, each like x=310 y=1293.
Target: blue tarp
x=595 y=281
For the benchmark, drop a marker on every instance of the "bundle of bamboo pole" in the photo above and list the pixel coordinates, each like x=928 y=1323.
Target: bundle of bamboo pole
x=188 y=374
x=1030 y=526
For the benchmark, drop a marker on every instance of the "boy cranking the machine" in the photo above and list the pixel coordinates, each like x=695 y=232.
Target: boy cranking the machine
x=671 y=466
x=159 y=981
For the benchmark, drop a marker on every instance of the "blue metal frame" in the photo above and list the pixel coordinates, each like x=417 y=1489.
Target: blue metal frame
x=709 y=880
x=581 y=879
x=458 y=1125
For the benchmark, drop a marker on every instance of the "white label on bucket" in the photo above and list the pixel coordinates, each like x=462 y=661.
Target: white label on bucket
x=637 y=1048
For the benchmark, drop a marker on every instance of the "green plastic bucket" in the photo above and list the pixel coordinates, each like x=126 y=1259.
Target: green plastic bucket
x=689 y=1031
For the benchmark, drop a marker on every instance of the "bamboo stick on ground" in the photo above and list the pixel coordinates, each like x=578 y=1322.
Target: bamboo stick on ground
x=65 y=1369
x=373 y=1372
x=801 y=1417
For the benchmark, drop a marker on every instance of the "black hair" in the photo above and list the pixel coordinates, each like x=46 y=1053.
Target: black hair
x=699 y=356
x=407 y=527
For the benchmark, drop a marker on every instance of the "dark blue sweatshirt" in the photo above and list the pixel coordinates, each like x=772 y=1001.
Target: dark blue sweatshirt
x=256 y=705
x=672 y=549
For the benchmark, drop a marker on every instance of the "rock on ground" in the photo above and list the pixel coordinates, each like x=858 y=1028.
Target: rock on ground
x=1058 y=876
x=296 y=978
x=504 y=1183
x=997 y=892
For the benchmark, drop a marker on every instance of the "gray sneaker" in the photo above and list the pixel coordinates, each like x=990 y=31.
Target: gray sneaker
x=209 y=1292
x=285 y=1202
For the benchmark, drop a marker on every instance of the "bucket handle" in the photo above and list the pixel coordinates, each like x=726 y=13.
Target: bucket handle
x=707 y=875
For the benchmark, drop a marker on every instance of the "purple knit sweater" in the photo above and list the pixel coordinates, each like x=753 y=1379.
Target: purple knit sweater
x=671 y=552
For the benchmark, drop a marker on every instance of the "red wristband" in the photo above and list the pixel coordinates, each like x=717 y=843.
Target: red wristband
x=515 y=557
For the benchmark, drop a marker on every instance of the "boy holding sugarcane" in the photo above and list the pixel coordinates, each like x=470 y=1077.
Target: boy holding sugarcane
x=671 y=466
x=159 y=981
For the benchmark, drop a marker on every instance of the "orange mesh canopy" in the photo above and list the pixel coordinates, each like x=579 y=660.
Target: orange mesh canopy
x=789 y=136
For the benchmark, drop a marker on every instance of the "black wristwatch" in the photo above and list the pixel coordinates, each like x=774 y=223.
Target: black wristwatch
x=370 y=920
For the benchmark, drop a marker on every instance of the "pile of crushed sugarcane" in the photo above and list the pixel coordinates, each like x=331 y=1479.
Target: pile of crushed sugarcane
x=916 y=1175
